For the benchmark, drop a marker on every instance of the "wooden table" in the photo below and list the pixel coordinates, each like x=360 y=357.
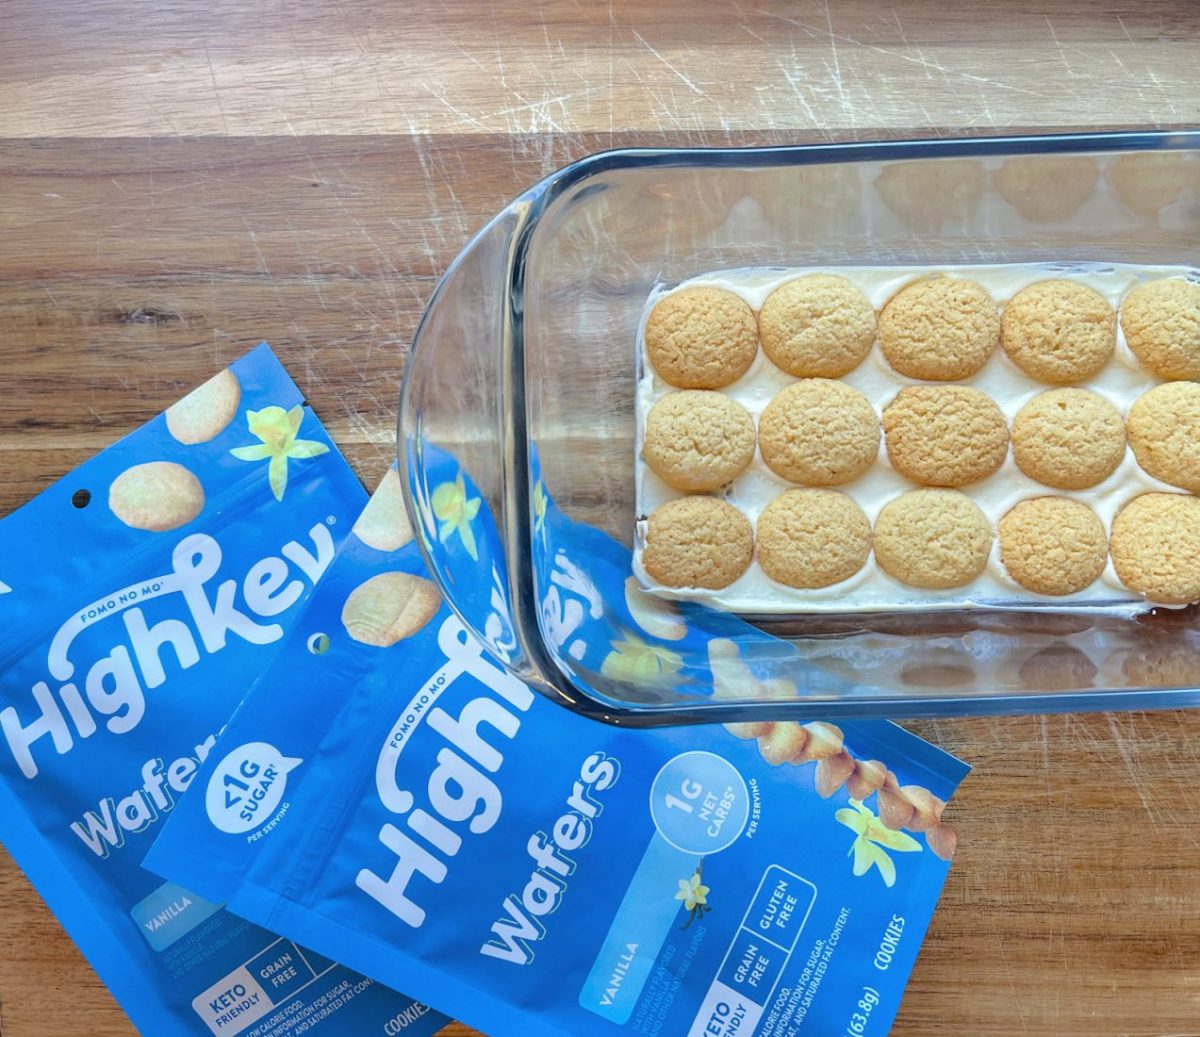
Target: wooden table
x=348 y=151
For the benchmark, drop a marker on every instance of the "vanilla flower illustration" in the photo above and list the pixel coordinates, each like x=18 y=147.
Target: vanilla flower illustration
x=694 y=895
x=455 y=513
x=633 y=661
x=692 y=892
x=540 y=503
x=277 y=429
x=873 y=836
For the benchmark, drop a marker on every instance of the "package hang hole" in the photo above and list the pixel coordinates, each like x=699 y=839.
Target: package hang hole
x=81 y=498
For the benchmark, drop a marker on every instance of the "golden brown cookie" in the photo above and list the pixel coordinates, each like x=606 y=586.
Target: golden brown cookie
x=817 y=326
x=207 y=410
x=812 y=538
x=701 y=338
x=1161 y=321
x=1164 y=431
x=1155 y=547
x=1059 y=331
x=1068 y=438
x=1052 y=545
x=389 y=607
x=697 y=542
x=383 y=523
x=819 y=432
x=928 y=196
x=1046 y=188
x=932 y=538
x=157 y=496
x=1149 y=181
x=945 y=435
x=939 y=329
x=698 y=439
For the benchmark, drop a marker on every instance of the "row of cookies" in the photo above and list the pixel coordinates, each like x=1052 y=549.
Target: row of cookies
x=1041 y=188
x=1056 y=331
x=934 y=539
x=821 y=432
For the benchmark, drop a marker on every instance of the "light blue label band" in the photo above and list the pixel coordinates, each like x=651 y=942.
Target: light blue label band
x=642 y=923
x=170 y=913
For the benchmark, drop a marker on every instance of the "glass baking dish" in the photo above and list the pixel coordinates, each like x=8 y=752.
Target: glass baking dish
x=524 y=371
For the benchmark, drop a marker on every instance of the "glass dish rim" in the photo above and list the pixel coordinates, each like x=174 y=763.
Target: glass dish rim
x=516 y=532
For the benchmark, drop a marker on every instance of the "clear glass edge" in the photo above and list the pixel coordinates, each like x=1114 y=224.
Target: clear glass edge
x=515 y=442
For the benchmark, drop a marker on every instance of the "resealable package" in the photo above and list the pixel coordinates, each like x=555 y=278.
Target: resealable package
x=141 y=596
x=392 y=797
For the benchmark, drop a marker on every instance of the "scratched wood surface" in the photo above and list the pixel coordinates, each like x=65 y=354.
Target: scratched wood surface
x=352 y=149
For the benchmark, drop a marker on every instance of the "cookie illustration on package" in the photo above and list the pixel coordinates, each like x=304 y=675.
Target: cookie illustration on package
x=384 y=524
x=206 y=411
x=157 y=496
x=389 y=607
x=657 y=618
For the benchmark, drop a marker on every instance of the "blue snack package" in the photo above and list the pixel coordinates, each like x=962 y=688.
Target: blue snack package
x=443 y=828
x=141 y=596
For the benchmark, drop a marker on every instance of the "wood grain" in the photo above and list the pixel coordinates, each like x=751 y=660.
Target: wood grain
x=359 y=148
x=113 y=68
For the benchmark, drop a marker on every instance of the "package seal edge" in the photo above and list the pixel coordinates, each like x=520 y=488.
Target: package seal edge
x=866 y=735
